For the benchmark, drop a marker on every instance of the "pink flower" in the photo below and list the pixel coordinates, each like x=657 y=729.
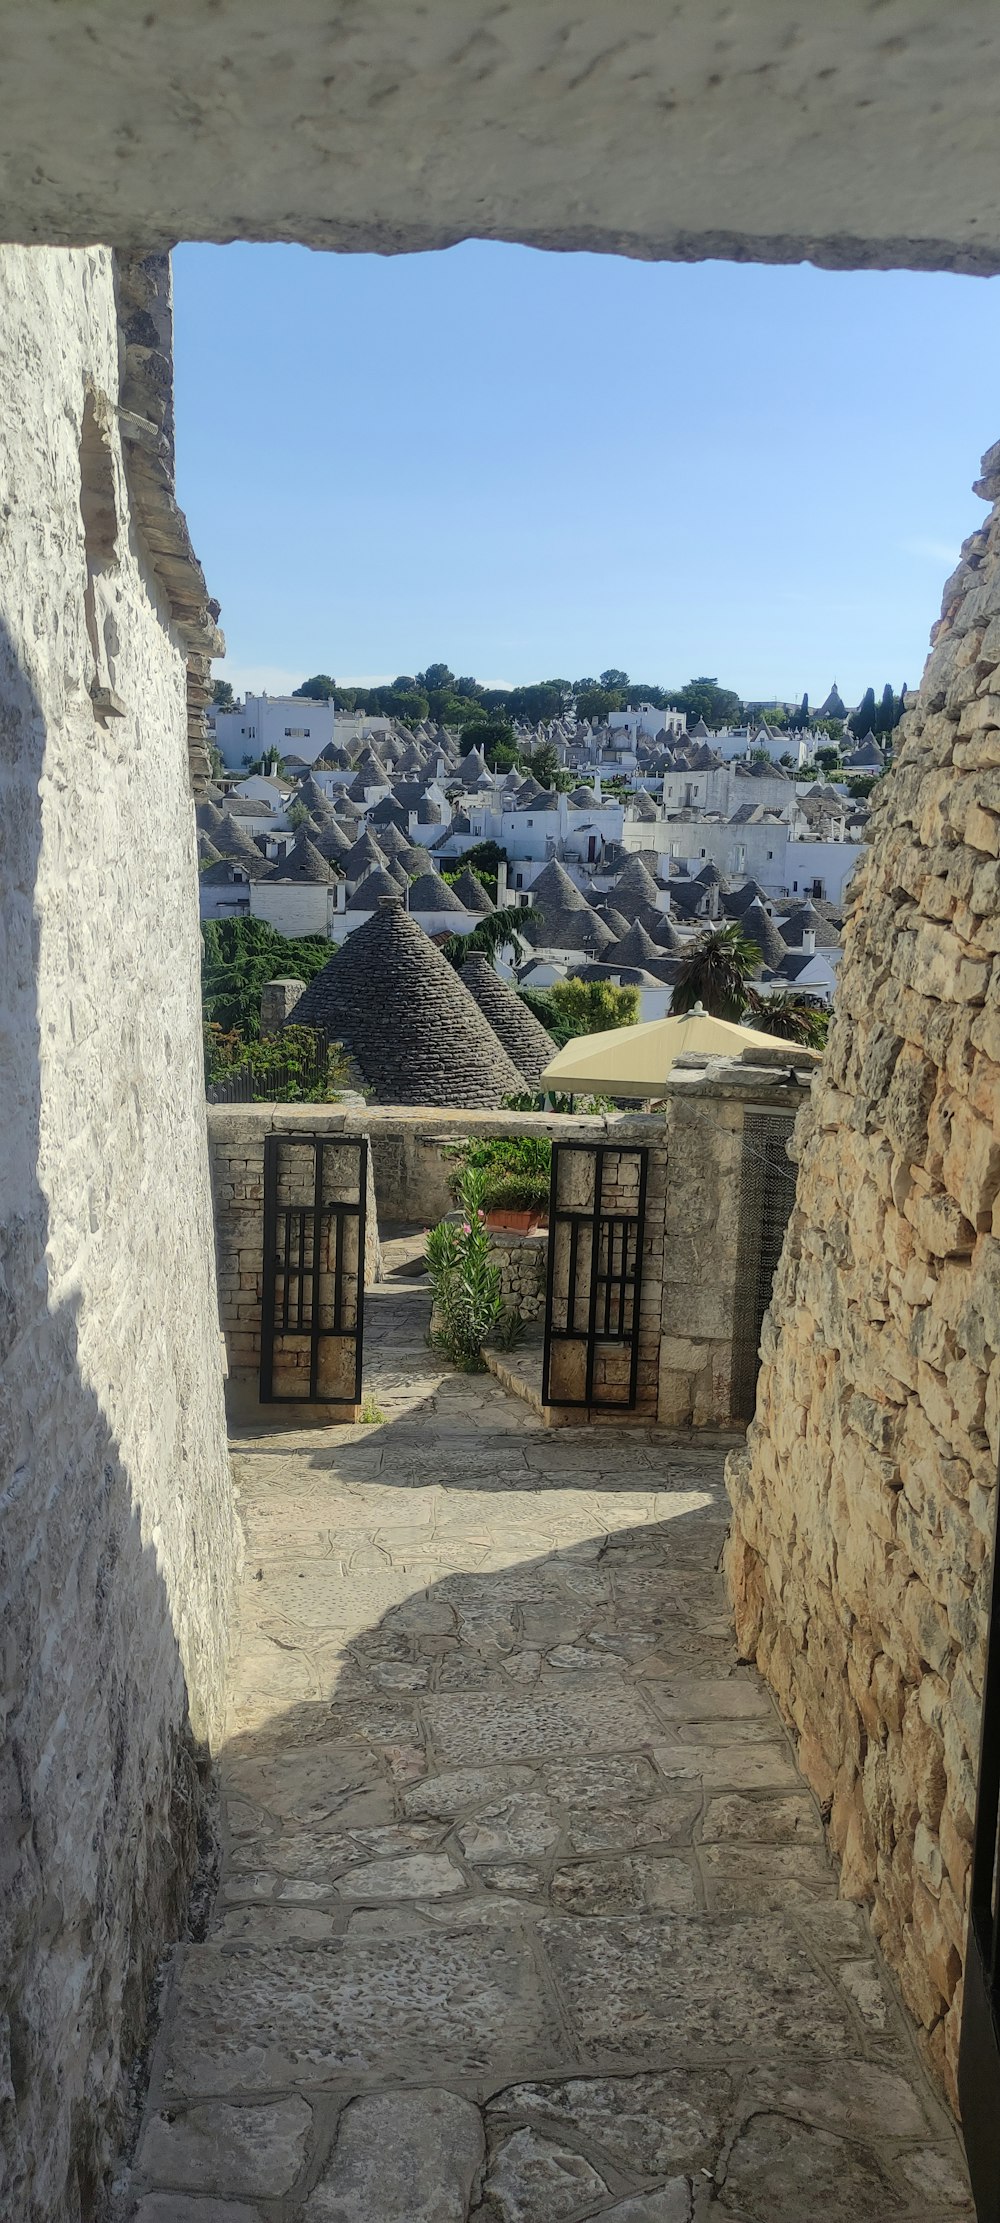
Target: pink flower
x=466 y=1229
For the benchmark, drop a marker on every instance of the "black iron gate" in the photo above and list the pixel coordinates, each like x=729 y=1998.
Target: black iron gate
x=979 y=2052
x=312 y=1313
x=597 y=1207
x=767 y=1193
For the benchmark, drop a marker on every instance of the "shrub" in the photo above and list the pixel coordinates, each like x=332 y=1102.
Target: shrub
x=516 y=1192
x=465 y=1280
x=522 y=1158
x=296 y=1066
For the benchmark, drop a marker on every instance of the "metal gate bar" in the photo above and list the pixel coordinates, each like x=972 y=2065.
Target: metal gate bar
x=309 y=1301
x=603 y=1272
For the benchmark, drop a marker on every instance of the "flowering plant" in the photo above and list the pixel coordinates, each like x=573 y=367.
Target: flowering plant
x=465 y=1280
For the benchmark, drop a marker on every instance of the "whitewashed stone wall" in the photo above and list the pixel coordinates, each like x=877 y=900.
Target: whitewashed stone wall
x=863 y=1510
x=118 y=1542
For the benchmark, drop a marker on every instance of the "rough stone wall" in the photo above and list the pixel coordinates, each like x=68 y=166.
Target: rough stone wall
x=705 y=1114
x=522 y=1261
x=391 y=127
x=863 y=1510
x=118 y=1541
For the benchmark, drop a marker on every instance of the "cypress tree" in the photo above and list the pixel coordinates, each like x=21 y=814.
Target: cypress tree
x=862 y=720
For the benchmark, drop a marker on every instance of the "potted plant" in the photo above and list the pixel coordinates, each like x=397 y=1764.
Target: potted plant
x=515 y=1171
x=517 y=1202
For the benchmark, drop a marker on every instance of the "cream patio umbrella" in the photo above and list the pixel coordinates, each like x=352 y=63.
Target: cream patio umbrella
x=635 y=1061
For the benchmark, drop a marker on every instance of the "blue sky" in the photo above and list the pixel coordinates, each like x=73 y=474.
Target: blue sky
x=532 y=465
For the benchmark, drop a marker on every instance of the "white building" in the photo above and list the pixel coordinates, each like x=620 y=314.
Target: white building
x=647 y=720
x=292 y=724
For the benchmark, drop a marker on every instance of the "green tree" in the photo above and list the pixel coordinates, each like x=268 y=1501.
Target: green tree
x=297 y=814
x=499 y=930
x=716 y=974
x=436 y=676
x=862 y=720
x=574 y=1007
x=828 y=759
x=800 y=717
x=486 y=734
x=318 y=689
x=886 y=715
x=640 y=691
x=614 y=679
x=543 y=763
x=239 y=956
x=409 y=708
x=704 y=698
x=597 y=702
x=222 y=694
x=792 y=1018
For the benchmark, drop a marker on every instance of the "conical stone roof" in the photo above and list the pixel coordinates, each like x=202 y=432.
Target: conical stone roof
x=330 y=839
x=208 y=854
x=635 y=948
x=235 y=846
x=754 y=923
x=304 y=862
x=736 y=900
x=613 y=920
x=665 y=935
x=635 y=890
x=554 y=887
x=523 y=1038
x=370 y=891
x=363 y=853
x=431 y=893
x=404 y=1016
x=392 y=842
x=471 y=893
x=315 y=798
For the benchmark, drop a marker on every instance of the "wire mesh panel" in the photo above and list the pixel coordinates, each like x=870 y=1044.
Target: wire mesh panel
x=767 y=1193
x=979 y=2051
x=312 y=1316
x=592 y=1312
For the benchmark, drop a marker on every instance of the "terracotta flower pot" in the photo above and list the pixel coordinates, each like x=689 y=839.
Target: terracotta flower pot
x=515 y=1223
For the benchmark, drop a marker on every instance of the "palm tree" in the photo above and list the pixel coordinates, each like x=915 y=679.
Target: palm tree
x=716 y=974
x=791 y=1017
x=496 y=931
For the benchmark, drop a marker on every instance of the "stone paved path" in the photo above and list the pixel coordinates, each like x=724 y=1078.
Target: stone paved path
x=525 y=1914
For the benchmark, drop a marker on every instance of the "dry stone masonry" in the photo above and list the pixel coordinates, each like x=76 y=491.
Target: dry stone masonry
x=863 y=1510
x=526 y=1914
x=118 y=1540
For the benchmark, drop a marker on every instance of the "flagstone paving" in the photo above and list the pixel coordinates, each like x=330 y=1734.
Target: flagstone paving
x=525 y=1914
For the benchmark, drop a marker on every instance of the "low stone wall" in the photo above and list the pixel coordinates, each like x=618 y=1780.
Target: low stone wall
x=522 y=1260
x=709 y=1250
x=863 y=1511
x=410 y=1151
